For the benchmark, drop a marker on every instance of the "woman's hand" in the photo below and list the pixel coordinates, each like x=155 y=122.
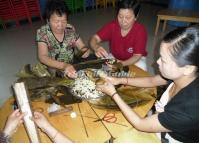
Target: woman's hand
x=106 y=87
x=101 y=52
x=41 y=121
x=13 y=122
x=70 y=71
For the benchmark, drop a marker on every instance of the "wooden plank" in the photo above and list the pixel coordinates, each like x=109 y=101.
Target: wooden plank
x=24 y=105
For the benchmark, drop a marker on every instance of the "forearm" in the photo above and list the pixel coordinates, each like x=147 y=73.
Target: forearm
x=148 y=124
x=131 y=60
x=52 y=63
x=94 y=43
x=150 y=81
x=130 y=115
x=56 y=136
x=80 y=45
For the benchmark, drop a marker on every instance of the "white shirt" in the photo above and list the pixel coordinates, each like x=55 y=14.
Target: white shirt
x=159 y=106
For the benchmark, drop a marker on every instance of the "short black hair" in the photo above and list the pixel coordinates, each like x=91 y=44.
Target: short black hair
x=129 y=4
x=185 y=43
x=56 y=6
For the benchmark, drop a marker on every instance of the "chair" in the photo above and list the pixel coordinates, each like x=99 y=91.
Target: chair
x=110 y=2
x=100 y=3
x=175 y=15
x=21 y=10
x=33 y=8
x=6 y=13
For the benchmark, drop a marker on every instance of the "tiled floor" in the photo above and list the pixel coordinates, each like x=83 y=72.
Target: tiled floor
x=17 y=45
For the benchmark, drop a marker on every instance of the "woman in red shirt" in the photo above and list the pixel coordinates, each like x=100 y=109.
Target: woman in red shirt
x=127 y=38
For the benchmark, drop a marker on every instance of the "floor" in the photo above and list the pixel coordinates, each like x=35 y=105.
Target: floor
x=17 y=44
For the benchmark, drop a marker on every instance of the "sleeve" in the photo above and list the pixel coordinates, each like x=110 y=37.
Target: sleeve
x=71 y=32
x=141 y=41
x=41 y=36
x=105 y=32
x=176 y=119
x=4 y=138
x=76 y=35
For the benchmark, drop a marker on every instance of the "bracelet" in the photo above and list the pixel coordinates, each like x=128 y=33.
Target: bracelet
x=113 y=94
x=53 y=138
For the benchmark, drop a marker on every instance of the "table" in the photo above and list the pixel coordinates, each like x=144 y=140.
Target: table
x=175 y=15
x=93 y=132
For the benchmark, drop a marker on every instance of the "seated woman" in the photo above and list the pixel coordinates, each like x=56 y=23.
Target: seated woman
x=57 y=39
x=127 y=38
x=177 y=111
x=16 y=118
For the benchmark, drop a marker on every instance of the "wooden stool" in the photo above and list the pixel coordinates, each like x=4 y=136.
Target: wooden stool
x=176 y=15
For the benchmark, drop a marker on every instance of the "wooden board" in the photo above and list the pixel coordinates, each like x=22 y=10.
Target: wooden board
x=24 y=105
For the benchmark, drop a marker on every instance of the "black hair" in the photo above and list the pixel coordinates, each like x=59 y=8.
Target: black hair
x=56 y=6
x=134 y=5
x=185 y=45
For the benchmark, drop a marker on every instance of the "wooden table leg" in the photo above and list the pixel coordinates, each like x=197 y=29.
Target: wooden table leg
x=164 y=25
x=157 y=26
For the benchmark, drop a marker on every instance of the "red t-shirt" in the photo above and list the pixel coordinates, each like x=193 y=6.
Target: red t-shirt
x=123 y=48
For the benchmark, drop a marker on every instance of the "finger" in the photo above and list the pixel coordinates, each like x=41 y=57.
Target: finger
x=104 y=53
x=22 y=116
x=36 y=115
x=21 y=121
x=108 y=79
x=15 y=130
x=65 y=73
x=99 y=55
x=72 y=76
x=98 y=88
x=75 y=75
x=101 y=86
x=15 y=112
x=32 y=118
x=71 y=70
x=106 y=83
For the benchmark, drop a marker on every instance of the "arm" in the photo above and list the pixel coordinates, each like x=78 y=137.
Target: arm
x=150 y=81
x=99 y=50
x=55 y=135
x=46 y=127
x=81 y=46
x=148 y=124
x=135 y=58
x=45 y=59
